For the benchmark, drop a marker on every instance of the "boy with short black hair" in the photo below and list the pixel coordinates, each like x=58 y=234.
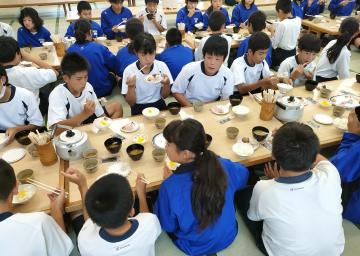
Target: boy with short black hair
x=175 y=56
x=110 y=226
x=75 y=103
x=217 y=26
x=301 y=67
x=153 y=18
x=286 y=33
x=84 y=12
x=256 y=23
x=117 y=14
x=206 y=80
x=33 y=233
x=301 y=202
x=251 y=72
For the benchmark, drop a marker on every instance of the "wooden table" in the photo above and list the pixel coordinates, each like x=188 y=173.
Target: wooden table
x=52 y=58
x=326 y=26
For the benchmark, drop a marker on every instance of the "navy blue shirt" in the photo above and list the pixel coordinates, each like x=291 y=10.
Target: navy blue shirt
x=314 y=8
x=176 y=57
x=347 y=161
x=298 y=8
x=206 y=18
x=182 y=17
x=109 y=19
x=243 y=48
x=241 y=14
x=95 y=28
x=26 y=38
x=101 y=61
x=334 y=7
x=174 y=210
x=123 y=59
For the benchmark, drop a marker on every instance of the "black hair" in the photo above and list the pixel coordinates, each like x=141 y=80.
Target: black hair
x=258 y=21
x=259 y=41
x=217 y=19
x=3 y=73
x=83 y=6
x=283 y=5
x=357 y=112
x=295 y=147
x=109 y=201
x=73 y=63
x=210 y=9
x=7 y=179
x=243 y=3
x=193 y=1
x=309 y=42
x=133 y=27
x=209 y=179
x=173 y=37
x=216 y=45
x=152 y=1
x=116 y=1
x=348 y=28
x=34 y=15
x=82 y=28
x=9 y=47
x=144 y=42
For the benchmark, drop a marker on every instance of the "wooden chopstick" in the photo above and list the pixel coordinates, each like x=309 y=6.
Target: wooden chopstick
x=144 y=180
x=45 y=186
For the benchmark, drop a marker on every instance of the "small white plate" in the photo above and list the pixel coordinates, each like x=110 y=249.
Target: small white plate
x=120 y=168
x=243 y=149
x=220 y=109
x=159 y=141
x=323 y=119
x=153 y=79
x=102 y=122
x=14 y=155
x=25 y=193
x=346 y=101
x=130 y=127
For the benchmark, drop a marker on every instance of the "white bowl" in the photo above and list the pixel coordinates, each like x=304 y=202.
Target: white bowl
x=341 y=123
x=102 y=123
x=199 y=25
x=25 y=193
x=122 y=28
x=151 y=112
x=240 y=110
x=231 y=26
x=47 y=44
x=101 y=38
x=284 y=88
x=3 y=139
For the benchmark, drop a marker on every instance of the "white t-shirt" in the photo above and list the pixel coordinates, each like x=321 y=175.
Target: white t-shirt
x=30 y=78
x=33 y=234
x=301 y=218
x=246 y=74
x=286 y=33
x=198 y=51
x=145 y=92
x=6 y=30
x=149 y=26
x=339 y=68
x=139 y=240
x=288 y=66
x=64 y=105
x=20 y=108
x=197 y=86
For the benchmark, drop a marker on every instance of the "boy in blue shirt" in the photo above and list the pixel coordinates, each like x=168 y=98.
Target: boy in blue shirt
x=216 y=5
x=347 y=161
x=84 y=12
x=341 y=7
x=298 y=7
x=32 y=32
x=314 y=7
x=242 y=12
x=189 y=15
x=114 y=16
x=126 y=55
x=257 y=23
x=175 y=55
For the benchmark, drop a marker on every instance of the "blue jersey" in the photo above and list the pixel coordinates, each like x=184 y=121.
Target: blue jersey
x=174 y=210
x=101 y=61
x=298 y=8
x=241 y=14
x=182 y=17
x=334 y=7
x=109 y=19
x=347 y=161
x=95 y=29
x=26 y=38
x=315 y=8
x=175 y=57
x=243 y=49
x=123 y=59
x=206 y=18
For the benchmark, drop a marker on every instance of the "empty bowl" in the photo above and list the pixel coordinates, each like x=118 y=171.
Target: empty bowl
x=113 y=145
x=23 y=175
x=158 y=154
x=260 y=133
x=90 y=165
x=135 y=151
x=235 y=99
x=208 y=140
x=310 y=85
x=22 y=137
x=174 y=107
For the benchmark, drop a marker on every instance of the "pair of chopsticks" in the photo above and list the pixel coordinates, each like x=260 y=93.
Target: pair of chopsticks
x=269 y=95
x=38 y=138
x=45 y=187
x=142 y=178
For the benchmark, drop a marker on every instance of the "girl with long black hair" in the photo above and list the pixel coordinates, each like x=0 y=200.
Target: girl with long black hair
x=216 y=5
x=334 y=61
x=196 y=203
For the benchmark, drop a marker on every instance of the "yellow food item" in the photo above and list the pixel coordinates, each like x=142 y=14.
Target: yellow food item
x=172 y=165
x=104 y=123
x=140 y=139
x=22 y=194
x=325 y=103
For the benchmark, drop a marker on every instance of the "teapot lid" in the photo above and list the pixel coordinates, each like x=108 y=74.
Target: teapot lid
x=71 y=136
x=291 y=102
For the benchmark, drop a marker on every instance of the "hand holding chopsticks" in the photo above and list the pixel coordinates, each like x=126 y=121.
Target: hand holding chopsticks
x=52 y=190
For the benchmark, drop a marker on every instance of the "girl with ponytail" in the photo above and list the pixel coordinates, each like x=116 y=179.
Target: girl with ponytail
x=101 y=60
x=334 y=61
x=196 y=203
